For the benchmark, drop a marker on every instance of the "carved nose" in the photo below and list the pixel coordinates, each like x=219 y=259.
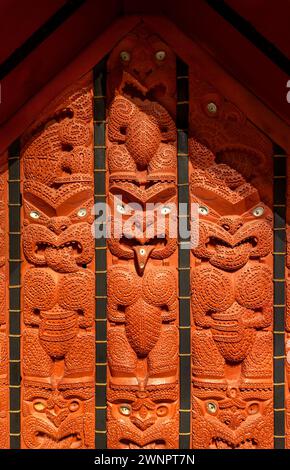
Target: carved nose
x=231 y=224
x=58 y=224
x=142 y=73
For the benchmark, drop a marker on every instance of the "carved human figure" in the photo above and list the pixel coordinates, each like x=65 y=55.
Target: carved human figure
x=63 y=312
x=141 y=131
x=59 y=148
x=58 y=339
x=143 y=343
x=231 y=302
x=142 y=278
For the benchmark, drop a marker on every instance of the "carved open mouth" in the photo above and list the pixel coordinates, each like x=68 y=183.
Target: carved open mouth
x=48 y=441
x=158 y=444
x=220 y=443
x=72 y=247
x=131 y=90
x=214 y=243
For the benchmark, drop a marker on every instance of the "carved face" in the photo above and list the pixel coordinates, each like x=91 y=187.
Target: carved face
x=58 y=232
x=137 y=421
x=231 y=232
x=139 y=231
x=59 y=417
x=221 y=126
x=59 y=148
x=142 y=66
x=232 y=417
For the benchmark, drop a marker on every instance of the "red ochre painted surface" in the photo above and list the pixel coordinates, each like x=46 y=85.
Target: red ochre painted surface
x=230 y=178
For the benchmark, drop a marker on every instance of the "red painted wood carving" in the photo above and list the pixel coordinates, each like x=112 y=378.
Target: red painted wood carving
x=231 y=282
x=4 y=326
x=142 y=257
x=58 y=281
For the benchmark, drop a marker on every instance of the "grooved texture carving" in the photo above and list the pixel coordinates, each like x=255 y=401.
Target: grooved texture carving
x=142 y=271
x=4 y=324
x=231 y=275
x=58 y=340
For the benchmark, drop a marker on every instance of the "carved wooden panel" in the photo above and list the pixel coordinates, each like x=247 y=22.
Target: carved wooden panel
x=225 y=397
x=231 y=282
x=58 y=281
x=4 y=324
x=142 y=268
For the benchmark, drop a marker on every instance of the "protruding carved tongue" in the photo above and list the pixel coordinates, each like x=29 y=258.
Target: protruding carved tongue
x=142 y=254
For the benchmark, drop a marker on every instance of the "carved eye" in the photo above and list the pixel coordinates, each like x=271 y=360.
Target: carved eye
x=253 y=408
x=258 y=211
x=165 y=210
x=162 y=411
x=74 y=405
x=203 y=210
x=121 y=209
x=125 y=56
x=160 y=55
x=34 y=215
x=211 y=407
x=82 y=212
x=125 y=410
x=39 y=406
x=211 y=107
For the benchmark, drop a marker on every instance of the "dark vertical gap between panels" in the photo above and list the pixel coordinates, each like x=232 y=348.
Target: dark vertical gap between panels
x=99 y=77
x=14 y=204
x=279 y=255
x=183 y=255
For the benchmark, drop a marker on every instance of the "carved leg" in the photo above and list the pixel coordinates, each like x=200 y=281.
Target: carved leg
x=121 y=163
x=121 y=357
x=83 y=347
x=163 y=163
x=258 y=363
x=207 y=361
x=163 y=359
x=36 y=361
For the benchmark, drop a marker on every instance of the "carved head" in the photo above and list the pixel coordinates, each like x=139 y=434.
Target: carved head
x=143 y=66
x=139 y=231
x=143 y=419
x=58 y=149
x=234 y=224
x=57 y=222
x=59 y=417
x=232 y=417
x=219 y=125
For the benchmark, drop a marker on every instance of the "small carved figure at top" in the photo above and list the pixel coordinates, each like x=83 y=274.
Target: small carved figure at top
x=58 y=149
x=142 y=66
